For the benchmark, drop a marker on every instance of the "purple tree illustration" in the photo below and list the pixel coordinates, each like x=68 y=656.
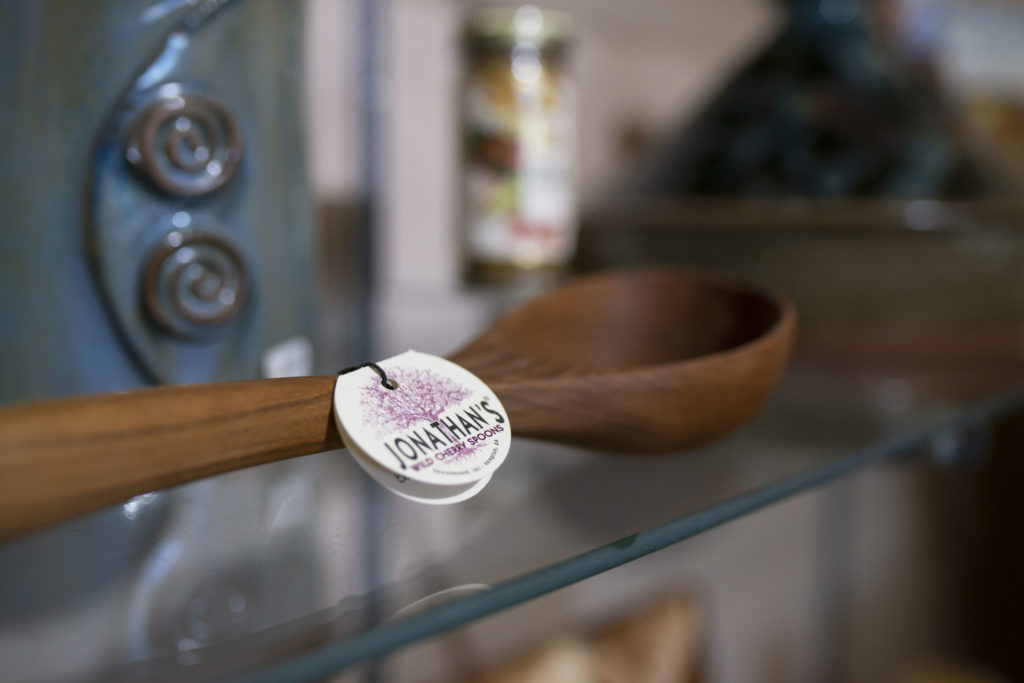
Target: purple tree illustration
x=422 y=395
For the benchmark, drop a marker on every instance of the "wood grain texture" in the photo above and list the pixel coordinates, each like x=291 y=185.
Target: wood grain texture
x=646 y=360
x=655 y=361
x=60 y=459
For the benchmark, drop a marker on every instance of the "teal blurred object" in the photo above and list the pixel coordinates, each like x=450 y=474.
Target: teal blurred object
x=157 y=227
x=157 y=218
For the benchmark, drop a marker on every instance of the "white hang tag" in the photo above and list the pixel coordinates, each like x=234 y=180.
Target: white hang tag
x=440 y=425
x=429 y=494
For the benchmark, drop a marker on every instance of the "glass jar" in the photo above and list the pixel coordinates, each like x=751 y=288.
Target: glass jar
x=518 y=144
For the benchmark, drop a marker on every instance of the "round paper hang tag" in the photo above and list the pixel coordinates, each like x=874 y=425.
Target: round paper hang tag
x=440 y=425
x=429 y=494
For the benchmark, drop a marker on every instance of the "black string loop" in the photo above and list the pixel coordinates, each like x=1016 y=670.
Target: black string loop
x=386 y=381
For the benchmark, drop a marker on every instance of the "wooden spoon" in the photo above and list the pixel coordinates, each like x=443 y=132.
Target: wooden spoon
x=643 y=360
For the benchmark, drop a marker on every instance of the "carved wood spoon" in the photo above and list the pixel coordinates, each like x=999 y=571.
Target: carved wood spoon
x=642 y=360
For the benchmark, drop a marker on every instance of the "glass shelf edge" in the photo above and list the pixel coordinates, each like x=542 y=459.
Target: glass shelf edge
x=388 y=637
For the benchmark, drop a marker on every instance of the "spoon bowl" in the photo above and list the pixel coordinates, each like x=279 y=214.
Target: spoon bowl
x=655 y=360
x=643 y=360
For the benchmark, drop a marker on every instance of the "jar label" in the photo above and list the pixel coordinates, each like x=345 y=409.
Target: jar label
x=518 y=168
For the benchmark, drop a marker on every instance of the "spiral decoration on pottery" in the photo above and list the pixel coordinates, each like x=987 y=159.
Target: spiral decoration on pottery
x=194 y=282
x=186 y=145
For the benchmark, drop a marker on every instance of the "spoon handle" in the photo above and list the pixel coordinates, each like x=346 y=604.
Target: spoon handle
x=64 y=458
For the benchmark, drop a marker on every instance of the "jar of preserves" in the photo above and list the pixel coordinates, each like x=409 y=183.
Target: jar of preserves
x=518 y=143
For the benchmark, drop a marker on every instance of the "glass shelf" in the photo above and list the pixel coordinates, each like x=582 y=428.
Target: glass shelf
x=963 y=430
x=295 y=570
